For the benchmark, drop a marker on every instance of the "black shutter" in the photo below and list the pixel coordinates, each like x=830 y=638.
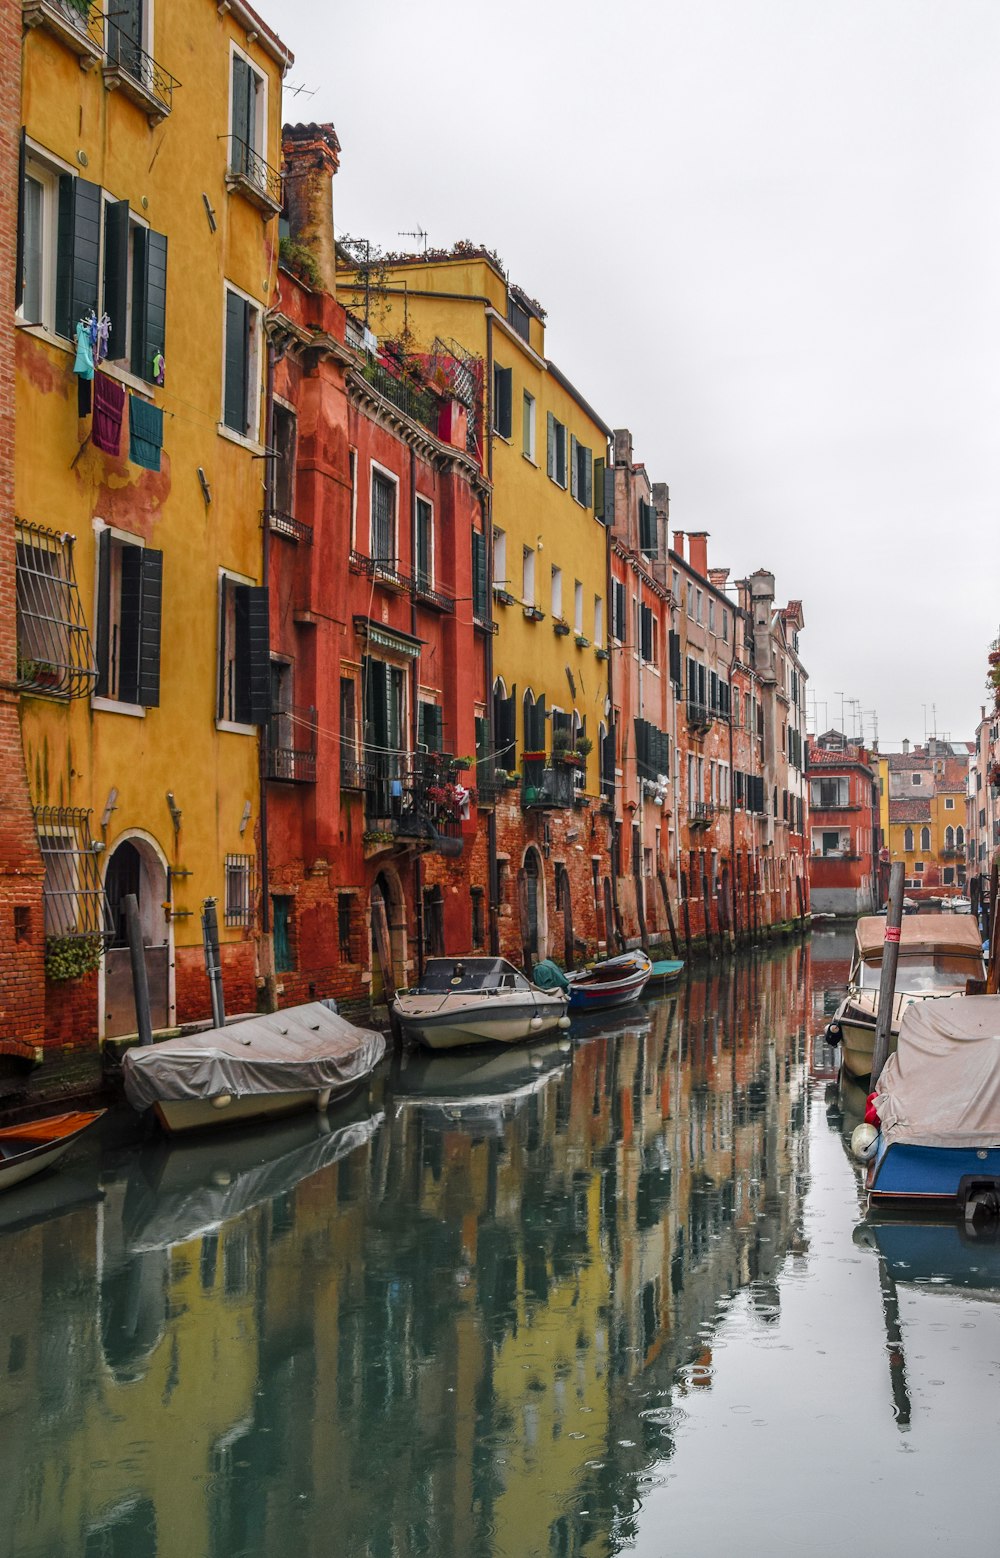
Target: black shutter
x=129 y=614
x=647 y=528
x=78 y=252
x=646 y=632
x=502 y=397
x=600 y=466
x=237 y=364
x=116 y=224
x=674 y=643
x=149 y=628
x=609 y=496
x=103 y=613
x=259 y=647
x=701 y=686
x=641 y=749
x=149 y=304
x=480 y=607
x=19 y=256
x=713 y=691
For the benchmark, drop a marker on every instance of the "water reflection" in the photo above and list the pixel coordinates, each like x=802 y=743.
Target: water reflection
x=474 y=1326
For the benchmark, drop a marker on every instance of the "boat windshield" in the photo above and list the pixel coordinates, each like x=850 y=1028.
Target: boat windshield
x=458 y=976
x=919 y=972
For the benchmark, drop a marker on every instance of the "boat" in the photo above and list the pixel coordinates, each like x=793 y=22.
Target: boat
x=938 y=953
x=477 y=1089
x=477 y=1000
x=957 y=905
x=612 y=982
x=35 y=1145
x=666 y=971
x=302 y=1057
x=938 y=1109
x=943 y=1251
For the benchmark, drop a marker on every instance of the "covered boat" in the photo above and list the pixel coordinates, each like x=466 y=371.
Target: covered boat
x=938 y=1105
x=938 y=953
x=612 y=982
x=666 y=972
x=476 y=1000
x=302 y=1057
x=34 y=1145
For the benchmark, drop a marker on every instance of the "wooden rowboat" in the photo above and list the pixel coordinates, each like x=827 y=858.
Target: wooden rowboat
x=35 y=1145
x=612 y=982
x=666 y=972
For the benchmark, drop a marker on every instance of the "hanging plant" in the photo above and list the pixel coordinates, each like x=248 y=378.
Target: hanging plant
x=71 y=957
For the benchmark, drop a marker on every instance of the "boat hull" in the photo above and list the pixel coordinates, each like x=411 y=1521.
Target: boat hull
x=940 y=1176
x=608 y=985
x=460 y=1028
x=177 y=1115
x=39 y=1153
x=605 y=998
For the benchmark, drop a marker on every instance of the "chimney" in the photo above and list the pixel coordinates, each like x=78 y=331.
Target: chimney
x=698 y=557
x=623 y=446
x=906 y=748
x=719 y=577
x=312 y=157
x=679 y=544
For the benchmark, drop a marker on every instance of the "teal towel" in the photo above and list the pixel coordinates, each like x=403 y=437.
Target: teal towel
x=145 y=433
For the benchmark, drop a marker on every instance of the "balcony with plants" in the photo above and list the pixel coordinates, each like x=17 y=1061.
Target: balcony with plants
x=416 y=800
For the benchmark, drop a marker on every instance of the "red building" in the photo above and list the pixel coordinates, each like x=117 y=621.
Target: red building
x=375 y=857
x=844 y=833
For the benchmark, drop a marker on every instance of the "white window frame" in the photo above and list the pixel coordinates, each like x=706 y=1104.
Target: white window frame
x=251 y=438
x=419 y=498
x=46 y=174
x=500 y=579
x=557 y=592
x=110 y=702
x=598 y=622
x=225 y=638
x=261 y=116
x=577 y=606
x=949 y=803
x=529 y=421
x=528 y=576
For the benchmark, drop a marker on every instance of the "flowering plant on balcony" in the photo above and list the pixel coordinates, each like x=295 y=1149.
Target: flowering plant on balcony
x=449 y=800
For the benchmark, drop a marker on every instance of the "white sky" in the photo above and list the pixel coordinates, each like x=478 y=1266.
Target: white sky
x=767 y=234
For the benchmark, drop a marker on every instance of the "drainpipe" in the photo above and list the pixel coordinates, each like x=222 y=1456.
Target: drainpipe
x=267 y=946
x=733 y=893
x=491 y=816
x=418 y=873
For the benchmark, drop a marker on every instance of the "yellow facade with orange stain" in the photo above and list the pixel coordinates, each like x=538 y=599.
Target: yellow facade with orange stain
x=140 y=145
x=550 y=547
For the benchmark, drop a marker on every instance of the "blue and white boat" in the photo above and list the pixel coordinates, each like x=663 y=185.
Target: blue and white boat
x=610 y=983
x=938 y=1105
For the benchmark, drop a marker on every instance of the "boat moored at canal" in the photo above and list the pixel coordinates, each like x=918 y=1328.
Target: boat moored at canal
x=35 y=1145
x=610 y=983
x=938 y=954
x=300 y=1058
x=476 y=1000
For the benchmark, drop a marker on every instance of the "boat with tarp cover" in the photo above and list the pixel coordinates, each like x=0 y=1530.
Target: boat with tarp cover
x=938 y=954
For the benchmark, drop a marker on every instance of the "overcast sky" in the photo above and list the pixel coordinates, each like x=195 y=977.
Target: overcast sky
x=767 y=234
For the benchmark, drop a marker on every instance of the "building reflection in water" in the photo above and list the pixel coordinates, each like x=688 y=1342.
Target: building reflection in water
x=467 y=1330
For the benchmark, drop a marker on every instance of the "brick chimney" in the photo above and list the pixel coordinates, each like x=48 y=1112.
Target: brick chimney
x=312 y=157
x=678 y=546
x=698 y=557
x=719 y=577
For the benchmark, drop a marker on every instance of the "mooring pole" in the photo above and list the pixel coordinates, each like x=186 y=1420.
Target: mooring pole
x=213 y=965
x=137 y=956
x=887 y=982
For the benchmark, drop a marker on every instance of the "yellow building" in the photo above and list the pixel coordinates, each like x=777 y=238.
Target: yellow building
x=149 y=202
x=924 y=816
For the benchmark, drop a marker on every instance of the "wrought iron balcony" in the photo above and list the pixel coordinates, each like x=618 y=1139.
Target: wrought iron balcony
x=76 y=23
x=419 y=404
x=288 y=526
x=137 y=75
x=253 y=178
x=701 y=814
x=544 y=787
x=55 y=655
x=385 y=569
x=415 y=800
x=425 y=592
x=291 y=745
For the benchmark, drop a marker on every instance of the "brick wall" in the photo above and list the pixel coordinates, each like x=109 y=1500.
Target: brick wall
x=239 y=981
x=22 y=933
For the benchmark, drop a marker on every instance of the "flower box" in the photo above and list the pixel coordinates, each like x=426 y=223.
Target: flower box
x=562 y=628
x=581 y=642
x=534 y=614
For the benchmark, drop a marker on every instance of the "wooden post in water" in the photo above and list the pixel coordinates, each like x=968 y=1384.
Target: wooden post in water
x=887 y=982
x=662 y=877
x=993 y=967
x=137 y=955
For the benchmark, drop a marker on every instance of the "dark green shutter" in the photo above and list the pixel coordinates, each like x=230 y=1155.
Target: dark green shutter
x=149 y=628
x=599 y=469
x=550 y=444
x=77 y=253
x=103 y=613
x=244 y=115
x=423 y=544
x=480 y=607
x=587 y=495
x=609 y=497
x=647 y=528
x=149 y=301
x=675 y=658
x=237 y=365
x=19 y=255
x=259 y=654
x=646 y=633
x=129 y=614
x=574 y=466
x=116 y=225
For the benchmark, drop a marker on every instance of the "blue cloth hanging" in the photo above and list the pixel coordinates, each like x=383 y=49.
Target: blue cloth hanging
x=84 y=365
x=145 y=433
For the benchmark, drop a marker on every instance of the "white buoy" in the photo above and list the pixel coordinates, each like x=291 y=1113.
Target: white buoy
x=564 y=1022
x=863 y=1139
x=536 y=1022
x=222 y=1100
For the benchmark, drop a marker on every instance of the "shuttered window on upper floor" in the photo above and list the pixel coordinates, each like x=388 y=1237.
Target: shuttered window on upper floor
x=503 y=391
x=618 y=610
x=129 y=610
x=244 y=692
x=241 y=365
x=480 y=594
x=647 y=529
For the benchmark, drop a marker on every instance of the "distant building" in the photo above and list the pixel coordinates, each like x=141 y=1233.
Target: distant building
x=924 y=790
x=844 y=832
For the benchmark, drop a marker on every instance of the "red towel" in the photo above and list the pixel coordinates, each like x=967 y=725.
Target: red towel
x=109 y=409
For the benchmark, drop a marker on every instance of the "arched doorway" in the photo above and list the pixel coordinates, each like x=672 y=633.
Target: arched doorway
x=388 y=927
x=135 y=866
x=531 y=904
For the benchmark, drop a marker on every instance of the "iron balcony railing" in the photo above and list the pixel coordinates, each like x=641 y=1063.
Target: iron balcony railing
x=545 y=787
x=702 y=814
x=55 y=655
x=701 y=715
x=385 y=568
x=76 y=23
x=288 y=526
x=137 y=73
x=252 y=175
x=411 y=797
x=74 y=901
x=425 y=591
x=291 y=745
x=416 y=403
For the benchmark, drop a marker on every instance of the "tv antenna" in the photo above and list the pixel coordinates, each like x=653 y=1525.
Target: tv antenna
x=419 y=233
x=300 y=91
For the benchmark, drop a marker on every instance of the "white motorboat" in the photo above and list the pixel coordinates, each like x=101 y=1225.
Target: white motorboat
x=938 y=953
x=477 y=1000
x=300 y=1058
x=959 y=905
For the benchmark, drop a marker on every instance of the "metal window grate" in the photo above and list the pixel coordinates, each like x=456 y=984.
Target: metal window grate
x=240 y=888
x=74 y=899
x=55 y=654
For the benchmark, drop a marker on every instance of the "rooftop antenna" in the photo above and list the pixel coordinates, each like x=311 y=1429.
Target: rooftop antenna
x=421 y=236
x=300 y=91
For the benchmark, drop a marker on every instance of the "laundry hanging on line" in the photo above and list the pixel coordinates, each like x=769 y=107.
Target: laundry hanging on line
x=145 y=427
x=109 y=409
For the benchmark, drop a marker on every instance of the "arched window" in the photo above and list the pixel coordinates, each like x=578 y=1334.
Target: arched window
x=925 y=838
x=949 y=838
x=960 y=837
x=504 y=726
x=908 y=840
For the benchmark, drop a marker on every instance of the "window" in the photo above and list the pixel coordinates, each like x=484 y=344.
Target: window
x=925 y=838
x=577 y=607
x=241 y=375
x=528 y=576
x=239 y=889
x=382 y=534
x=244 y=656
x=502 y=392
x=918 y=866
x=345 y=918
x=134 y=288
x=949 y=838
x=518 y=318
x=598 y=622
x=725 y=626
x=648 y=539
x=480 y=592
x=350 y=774
x=647 y=634
x=556 y=450
x=826 y=793
x=425 y=545
x=248 y=123
x=54 y=652
x=528 y=426
x=949 y=802
x=285 y=439
x=557 y=600
x=915 y=779
x=736 y=706
x=430 y=726
x=690 y=599
x=284 y=956
x=711 y=615
x=37 y=249
x=618 y=626
x=700 y=608
x=960 y=837
x=129 y=598
x=73 y=898
x=949 y=876
x=500 y=579
x=581 y=473
x=907 y=840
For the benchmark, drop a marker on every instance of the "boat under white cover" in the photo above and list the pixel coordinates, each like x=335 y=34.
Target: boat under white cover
x=302 y=1057
x=477 y=1000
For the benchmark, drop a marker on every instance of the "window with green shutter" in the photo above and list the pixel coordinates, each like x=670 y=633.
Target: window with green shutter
x=241 y=364
x=129 y=602
x=78 y=252
x=480 y=594
x=430 y=726
x=244 y=653
x=425 y=545
x=647 y=529
x=503 y=381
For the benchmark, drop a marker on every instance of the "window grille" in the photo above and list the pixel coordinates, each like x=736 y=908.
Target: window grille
x=54 y=650
x=239 y=889
x=74 y=899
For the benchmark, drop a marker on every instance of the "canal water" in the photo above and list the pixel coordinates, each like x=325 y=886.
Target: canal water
x=614 y=1296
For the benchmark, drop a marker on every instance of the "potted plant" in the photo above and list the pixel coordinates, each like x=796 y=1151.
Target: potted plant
x=560 y=627
x=584 y=747
x=562 y=747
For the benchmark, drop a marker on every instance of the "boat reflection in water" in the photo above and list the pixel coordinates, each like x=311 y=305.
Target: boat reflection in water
x=472 y=1330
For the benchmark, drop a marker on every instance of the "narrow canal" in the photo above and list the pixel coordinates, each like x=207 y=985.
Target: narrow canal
x=609 y=1297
